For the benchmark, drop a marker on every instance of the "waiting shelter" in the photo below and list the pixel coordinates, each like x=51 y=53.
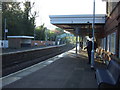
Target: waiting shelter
x=19 y=41
x=80 y=25
x=83 y=22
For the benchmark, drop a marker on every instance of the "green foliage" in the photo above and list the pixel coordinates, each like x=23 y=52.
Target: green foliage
x=60 y=30
x=18 y=21
x=51 y=35
x=40 y=33
x=65 y=37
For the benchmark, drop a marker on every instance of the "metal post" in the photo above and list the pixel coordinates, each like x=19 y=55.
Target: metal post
x=76 y=42
x=56 y=39
x=92 y=52
x=79 y=44
x=5 y=33
x=77 y=32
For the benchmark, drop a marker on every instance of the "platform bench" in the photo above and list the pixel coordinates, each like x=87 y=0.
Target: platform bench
x=109 y=76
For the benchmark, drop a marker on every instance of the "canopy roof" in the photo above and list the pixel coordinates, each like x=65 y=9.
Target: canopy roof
x=25 y=37
x=83 y=22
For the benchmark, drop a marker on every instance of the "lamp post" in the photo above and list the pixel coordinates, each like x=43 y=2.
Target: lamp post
x=92 y=52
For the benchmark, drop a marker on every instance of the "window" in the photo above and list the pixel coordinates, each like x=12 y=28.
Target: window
x=104 y=45
x=112 y=42
x=108 y=43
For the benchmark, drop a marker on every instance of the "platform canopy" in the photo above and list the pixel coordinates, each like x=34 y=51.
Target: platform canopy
x=82 y=22
x=22 y=37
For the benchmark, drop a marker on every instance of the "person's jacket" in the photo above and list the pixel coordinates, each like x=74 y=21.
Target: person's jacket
x=89 y=46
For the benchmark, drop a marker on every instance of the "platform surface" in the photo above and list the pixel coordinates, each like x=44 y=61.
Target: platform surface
x=68 y=71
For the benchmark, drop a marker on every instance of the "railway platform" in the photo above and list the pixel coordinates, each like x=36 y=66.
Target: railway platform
x=66 y=70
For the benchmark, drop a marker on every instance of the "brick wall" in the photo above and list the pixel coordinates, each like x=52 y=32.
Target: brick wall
x=42 y=43
x=112 y=22
x=113 y=25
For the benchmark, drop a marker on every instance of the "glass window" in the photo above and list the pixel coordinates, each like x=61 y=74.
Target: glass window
x=104 y=45
x=112 y=42
x=108 y=43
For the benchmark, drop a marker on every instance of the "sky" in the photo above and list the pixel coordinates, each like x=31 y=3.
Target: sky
x=65 y=7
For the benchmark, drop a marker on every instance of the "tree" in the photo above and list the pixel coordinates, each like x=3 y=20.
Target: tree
x=60 y=30
x=51 y=35
x=19 y=22
x=40 y=32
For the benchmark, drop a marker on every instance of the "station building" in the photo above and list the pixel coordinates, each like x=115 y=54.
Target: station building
x=107 y=27
x=110 y=40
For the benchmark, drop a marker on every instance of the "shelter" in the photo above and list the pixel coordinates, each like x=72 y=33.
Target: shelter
x=80 y=25
x=107 y=27
x=83 y=23
x=19 y=41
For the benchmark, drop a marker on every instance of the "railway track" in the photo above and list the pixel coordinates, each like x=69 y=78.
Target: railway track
x=31 y=57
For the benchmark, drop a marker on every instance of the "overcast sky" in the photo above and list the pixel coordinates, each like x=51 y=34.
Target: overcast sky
x=65 y=7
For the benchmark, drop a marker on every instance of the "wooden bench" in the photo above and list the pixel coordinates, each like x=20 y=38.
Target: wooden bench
x=103 y=55
x=107 y=57
x=99 y=53
x=109 y=76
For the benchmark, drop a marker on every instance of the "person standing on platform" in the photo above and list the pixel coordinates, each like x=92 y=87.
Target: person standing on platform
x=89 y=49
